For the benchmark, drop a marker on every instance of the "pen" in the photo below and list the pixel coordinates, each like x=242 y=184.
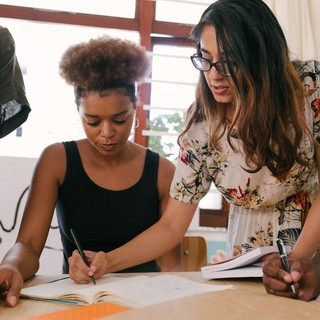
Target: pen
x=77 y=243
x=60 y=279
x=284 y=259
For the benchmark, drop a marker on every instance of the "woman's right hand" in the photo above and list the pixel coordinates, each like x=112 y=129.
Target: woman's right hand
x=11 y=281
x=79 y=272
x=304 y=273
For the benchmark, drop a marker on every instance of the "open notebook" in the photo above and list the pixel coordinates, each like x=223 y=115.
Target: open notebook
x=133 y=292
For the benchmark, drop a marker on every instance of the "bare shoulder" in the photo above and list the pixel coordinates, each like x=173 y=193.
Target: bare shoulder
x=52 y=161
x=53 y=152
x=166 y=164
x=166 y=168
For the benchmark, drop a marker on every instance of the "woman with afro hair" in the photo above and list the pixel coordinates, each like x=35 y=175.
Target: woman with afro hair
x=105 y=187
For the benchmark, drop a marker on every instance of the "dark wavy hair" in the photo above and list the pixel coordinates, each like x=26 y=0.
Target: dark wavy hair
x=104 y=63
x=268 y=100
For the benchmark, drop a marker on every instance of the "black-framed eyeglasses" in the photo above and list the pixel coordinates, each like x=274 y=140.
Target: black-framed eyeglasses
x=205 y=65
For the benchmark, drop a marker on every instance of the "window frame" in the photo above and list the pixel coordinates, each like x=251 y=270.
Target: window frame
x=152 y=32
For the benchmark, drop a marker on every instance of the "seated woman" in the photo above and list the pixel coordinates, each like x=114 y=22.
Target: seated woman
x=105 y=187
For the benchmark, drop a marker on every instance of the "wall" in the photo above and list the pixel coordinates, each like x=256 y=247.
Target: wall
x=16 y=174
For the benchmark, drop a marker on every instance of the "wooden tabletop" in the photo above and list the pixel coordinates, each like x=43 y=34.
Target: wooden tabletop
x=247 y=300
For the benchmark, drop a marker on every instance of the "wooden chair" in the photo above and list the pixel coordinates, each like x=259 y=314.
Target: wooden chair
x=194 y=253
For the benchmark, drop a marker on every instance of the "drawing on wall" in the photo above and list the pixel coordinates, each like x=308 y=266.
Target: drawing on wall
x=15 y=219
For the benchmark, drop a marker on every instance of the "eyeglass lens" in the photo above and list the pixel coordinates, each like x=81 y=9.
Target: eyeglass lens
x=203 y=64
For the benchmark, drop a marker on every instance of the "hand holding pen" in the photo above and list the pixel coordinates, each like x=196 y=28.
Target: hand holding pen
x=284 y=259
x=77 y=243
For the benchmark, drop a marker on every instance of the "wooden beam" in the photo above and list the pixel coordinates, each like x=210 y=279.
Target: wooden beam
x=74 y=18
x=177 y=30
x=139 y=23
x=145 y=13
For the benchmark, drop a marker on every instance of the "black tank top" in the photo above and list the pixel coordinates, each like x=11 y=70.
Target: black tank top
x=104 y=219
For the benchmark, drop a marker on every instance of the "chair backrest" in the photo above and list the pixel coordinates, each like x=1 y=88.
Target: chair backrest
x=194 y=253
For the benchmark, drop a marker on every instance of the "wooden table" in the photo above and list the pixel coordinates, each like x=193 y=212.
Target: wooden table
x=247 y=300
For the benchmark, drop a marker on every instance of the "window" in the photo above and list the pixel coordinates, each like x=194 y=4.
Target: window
x=40 y=45
x=171 y=10
x=172 y=91
x=54 y=116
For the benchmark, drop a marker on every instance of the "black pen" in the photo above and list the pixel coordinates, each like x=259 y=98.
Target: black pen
x=284 y=259
x=77 y=243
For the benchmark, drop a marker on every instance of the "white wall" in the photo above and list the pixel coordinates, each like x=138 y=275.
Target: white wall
x=300 y=22
x=16 y=174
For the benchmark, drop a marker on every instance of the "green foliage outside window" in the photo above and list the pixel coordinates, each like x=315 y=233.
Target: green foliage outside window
x=171 y=123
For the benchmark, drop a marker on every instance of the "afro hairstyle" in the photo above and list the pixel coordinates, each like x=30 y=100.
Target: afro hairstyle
x=103 y=63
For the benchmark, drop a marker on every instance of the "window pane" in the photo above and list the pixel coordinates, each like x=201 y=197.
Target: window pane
x=119 y=8
x=181 y=11
x=54 y=116
x=172 y=92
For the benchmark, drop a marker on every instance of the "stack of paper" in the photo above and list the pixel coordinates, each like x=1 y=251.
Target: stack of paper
x=243 y=266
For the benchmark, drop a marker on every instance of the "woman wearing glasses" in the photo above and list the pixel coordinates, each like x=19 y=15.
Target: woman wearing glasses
x=251 y=131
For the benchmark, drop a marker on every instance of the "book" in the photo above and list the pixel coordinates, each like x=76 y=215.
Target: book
x=254 y=271
x=132 y=292
x=245 y=265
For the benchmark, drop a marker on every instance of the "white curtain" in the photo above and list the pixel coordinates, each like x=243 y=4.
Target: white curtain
x=300 y=22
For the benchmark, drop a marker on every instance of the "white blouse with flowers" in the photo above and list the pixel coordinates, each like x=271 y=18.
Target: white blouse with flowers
x=262 y=208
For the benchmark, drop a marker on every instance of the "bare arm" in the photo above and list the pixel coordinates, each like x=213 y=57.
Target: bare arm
x=309 y=240
x=163 y=239
x=22 y=260
x=171 y=260
x=154 y=242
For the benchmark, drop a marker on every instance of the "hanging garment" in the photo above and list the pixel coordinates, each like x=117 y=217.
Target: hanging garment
x=14 y=106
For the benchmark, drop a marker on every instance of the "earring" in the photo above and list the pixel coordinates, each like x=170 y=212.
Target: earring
x=137 y=123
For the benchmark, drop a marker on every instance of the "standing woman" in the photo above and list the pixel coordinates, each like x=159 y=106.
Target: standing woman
x=105 y=187
x=252 y=131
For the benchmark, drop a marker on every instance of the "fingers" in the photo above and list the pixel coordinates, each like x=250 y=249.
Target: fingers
x=13 y=284
x=90 y=255
x=275 y=285
x=298 y=267
x=78 y=270
x=12 y=297
x=282 y=293
x=276 y=280
x=99 y=264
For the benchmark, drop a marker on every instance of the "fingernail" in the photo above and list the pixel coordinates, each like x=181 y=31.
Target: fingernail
x=13 y=301
x=93 y=268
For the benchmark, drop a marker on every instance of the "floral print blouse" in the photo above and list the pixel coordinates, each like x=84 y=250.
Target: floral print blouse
x=262 y=208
